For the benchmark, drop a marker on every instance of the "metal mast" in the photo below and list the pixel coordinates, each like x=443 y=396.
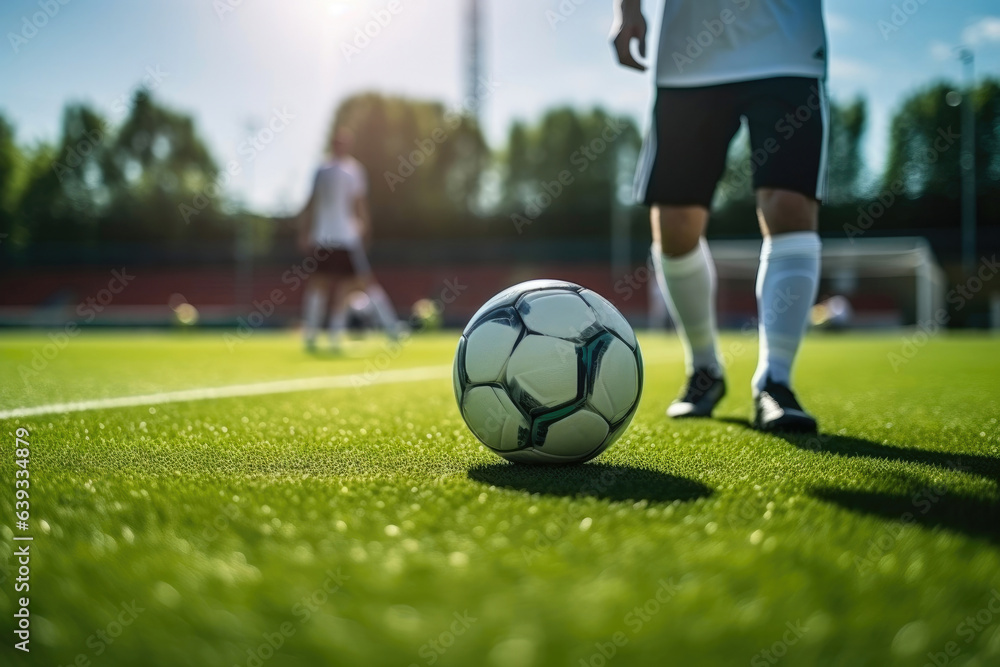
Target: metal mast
x=475 y=62
x=968 y=163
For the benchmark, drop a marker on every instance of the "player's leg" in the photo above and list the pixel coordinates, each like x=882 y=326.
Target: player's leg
x=342 y=288
x=683 y=159
x=313 y=307
x=345 y=280
x=790 y=182
x=380 y=300
x=786 y=280
x=384 y=308
x=686 y=275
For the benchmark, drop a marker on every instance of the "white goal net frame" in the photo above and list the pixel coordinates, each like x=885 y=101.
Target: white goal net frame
x=846 y=263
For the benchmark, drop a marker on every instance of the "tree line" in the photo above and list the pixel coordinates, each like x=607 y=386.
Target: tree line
x=149 y=180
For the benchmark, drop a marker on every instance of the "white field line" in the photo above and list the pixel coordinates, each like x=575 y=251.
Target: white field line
x=358 y=380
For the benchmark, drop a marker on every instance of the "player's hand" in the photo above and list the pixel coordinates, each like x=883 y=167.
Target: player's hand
x=633 y=26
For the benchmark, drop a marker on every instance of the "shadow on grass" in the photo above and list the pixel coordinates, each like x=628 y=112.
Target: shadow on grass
x=934 y=506
x=987 y=467
x=930 y=507
x=597 y=480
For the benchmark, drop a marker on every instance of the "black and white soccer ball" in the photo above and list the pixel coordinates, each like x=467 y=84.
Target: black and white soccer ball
x=548 y=372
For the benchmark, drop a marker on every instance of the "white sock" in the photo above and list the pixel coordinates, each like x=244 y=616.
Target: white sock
x=787 y=281
x=383 y=307
x=313 y=305
x=688 y=283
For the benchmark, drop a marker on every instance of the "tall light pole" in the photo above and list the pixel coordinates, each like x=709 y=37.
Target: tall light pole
x=475 y=59
x=968 y=162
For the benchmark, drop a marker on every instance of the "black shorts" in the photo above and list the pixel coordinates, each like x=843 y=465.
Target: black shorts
x=341 y=262
x=684 y=154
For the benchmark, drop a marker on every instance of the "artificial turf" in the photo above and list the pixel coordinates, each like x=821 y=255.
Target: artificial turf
x=367 y=526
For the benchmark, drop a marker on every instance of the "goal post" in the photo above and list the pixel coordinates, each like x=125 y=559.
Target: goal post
x=889 y=281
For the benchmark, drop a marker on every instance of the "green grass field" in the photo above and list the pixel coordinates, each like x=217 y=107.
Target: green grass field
x=366 y=526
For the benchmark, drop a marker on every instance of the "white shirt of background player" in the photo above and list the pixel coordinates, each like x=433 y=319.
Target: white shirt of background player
x=340 y=185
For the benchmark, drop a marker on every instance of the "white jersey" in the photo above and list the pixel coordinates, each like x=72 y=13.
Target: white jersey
x=337 y=186
x=708 y=42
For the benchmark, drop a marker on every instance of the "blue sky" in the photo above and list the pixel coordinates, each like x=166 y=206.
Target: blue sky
x=234 y=64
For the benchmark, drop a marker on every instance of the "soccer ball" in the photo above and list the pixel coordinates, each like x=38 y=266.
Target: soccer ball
x=548 y=372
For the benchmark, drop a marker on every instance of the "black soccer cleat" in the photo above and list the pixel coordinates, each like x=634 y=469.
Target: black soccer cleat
x=704 y=390
x=776 y=409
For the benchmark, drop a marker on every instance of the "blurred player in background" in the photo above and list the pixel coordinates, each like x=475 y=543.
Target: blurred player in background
x=335 y=228
x=720 y=61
